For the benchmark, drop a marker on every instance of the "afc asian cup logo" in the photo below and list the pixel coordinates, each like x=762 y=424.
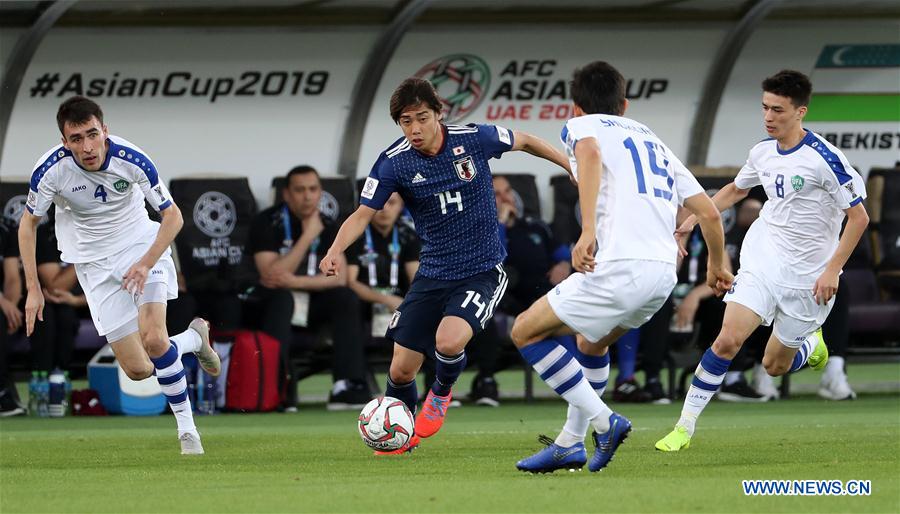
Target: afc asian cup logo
x=461 y=80
x=12 y=211
x=328 y=206
x=15 y=206
x=215 y=214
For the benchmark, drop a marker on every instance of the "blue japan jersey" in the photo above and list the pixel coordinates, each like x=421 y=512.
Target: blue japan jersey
x=450 y=196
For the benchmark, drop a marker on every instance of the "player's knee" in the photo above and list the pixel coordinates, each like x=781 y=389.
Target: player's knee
x=402 y=374
x=519 y=333
x=137 y=371
x=156 y=342
x=726 y=345
x=448 y=343
x=775 y=368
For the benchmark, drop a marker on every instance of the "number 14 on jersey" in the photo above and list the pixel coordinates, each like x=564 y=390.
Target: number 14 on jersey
x=448 y=199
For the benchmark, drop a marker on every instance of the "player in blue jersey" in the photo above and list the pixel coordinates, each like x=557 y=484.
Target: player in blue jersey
x=442 y=173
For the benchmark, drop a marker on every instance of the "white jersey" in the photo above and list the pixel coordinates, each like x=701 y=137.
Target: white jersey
x=98 y=213
x=642 y=185
x=809 y=187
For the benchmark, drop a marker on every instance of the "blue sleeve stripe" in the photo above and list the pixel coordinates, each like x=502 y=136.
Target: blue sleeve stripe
x=52 y=158
x=137 y=159
x=165 y=205
x=833 y=161
x=30 y=210
x=854 y=202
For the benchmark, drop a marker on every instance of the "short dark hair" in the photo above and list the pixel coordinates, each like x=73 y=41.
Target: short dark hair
x=303 y=169
x=77 y=111
x=789 y=84
x=598 y=88
x=411 y=92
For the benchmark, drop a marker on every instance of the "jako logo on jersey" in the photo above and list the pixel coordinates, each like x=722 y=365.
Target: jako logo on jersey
x=461 y=80
x=797 y=182
x=215 y=214
x=121 y=185
x=465 y=168
x=82 y=187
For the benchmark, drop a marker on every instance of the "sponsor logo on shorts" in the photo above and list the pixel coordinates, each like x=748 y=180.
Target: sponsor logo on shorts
x=156 y=272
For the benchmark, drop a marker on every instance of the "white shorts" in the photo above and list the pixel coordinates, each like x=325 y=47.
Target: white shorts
x=794 y=312
x=623 y=293
x=111 y=306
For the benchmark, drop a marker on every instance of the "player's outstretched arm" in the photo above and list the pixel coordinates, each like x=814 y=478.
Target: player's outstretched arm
x=723 y=199
x=590 y=170
x=707 y=214
x=34 y=302
x=538 y=147
x=826 y=285
x=349 y=231
x=172 y=221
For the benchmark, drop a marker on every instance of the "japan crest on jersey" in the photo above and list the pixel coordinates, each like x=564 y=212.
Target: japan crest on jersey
x=465 y=168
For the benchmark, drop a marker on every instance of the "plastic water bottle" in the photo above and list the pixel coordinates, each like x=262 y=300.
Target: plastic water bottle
x=208 y=405
x=43 y=395
x=56 y=407
x=34 y=394
x=68 y=398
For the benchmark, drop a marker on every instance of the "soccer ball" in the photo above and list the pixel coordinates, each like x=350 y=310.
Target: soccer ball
x=385 y=424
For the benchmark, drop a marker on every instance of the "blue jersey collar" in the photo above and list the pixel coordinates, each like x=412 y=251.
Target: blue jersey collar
x=109 y=152
x=808 y=138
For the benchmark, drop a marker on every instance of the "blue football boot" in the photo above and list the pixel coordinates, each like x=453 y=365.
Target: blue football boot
x=609 y=441
x=554 y=457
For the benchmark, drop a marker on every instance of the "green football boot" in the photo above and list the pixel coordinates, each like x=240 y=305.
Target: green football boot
x=819 y=356
x=677 y=439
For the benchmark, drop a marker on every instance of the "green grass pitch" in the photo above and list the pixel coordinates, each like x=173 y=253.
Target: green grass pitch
x=313 y=461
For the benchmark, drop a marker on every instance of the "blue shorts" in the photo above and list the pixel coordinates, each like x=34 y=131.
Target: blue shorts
x=428 y=301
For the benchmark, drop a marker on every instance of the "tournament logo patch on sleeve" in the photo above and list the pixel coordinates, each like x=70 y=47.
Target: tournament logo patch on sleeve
x=851 y=190
x=160 y=194
x=369 y=188
x=503 y=135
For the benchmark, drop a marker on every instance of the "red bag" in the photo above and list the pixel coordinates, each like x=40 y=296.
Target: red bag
x=254 y=374
x=86 y=402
